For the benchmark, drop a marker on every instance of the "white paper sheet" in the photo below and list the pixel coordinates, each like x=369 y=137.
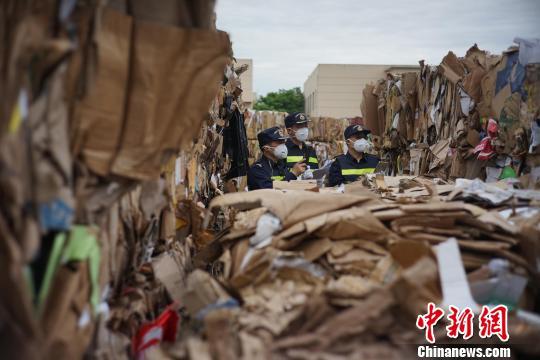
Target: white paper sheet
x=455 y=286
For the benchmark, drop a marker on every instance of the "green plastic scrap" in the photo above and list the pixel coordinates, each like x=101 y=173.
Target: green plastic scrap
x=82 y=245
x=507 y=173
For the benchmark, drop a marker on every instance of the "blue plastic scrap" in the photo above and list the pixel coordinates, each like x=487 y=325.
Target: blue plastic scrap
x=55 y=215
x=513 y=73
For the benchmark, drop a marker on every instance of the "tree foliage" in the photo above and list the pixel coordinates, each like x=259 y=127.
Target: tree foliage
x=290 y=101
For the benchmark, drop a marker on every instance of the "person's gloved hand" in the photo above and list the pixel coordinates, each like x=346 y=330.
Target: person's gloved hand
x=299 y=168
x=308 y=174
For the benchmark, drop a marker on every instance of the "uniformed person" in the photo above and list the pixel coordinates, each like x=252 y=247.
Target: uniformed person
x=271 y=165
x=298 y=150
x=347 y=168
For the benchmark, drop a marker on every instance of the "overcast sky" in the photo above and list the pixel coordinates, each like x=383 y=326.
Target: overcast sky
x=288 y=38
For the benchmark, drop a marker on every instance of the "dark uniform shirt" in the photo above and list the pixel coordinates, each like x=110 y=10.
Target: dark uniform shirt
x=346 y=168
x=264 y=171
x=295 y=154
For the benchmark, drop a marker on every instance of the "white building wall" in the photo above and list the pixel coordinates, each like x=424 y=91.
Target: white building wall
x=335 y=90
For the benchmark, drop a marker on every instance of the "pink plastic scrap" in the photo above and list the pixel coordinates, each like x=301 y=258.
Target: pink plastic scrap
x=485 y=149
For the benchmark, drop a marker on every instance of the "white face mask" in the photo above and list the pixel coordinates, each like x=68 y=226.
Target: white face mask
x=361 y=145
x=302 y=134
x=280 y=151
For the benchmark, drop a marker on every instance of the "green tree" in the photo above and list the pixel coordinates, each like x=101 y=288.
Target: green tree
x=290 y=101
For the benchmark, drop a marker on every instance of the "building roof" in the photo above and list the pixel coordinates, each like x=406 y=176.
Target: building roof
x=411 y=67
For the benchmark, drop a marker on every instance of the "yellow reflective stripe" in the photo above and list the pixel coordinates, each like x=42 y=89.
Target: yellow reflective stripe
x=294 y=159
x=357 y=171
x=278 y=178
x=16 y=119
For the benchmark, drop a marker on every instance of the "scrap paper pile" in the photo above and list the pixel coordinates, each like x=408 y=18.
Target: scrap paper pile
x=120 y=125
x=299 y=273
x=469 y=117
x=96 y=102
x=326 y=134
x=328 y=129
x=257 y=121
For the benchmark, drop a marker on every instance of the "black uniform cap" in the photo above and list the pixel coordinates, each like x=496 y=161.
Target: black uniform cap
x=355 y=129
x=272 y=134
x=295 y=118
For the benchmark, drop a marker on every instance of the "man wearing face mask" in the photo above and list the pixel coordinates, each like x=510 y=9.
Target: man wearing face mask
x=298 y=150
x=347 y=168
x=271 y=165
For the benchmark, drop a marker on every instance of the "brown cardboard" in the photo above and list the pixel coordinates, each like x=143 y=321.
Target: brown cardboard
x=67 y=302
x=499 y=100
x=416 y=161
x=167 y=271
x=357 y=265
x=348 y=286
x=219 y=327
x=201 y=290
x=248 y=219
x=295 y=185
x=356 y=319
x=312 y=289
x=252 y=346
x=494 y=218
x=452 y=67
x=487 y=246
x=198 y=349
x=475 y=58
x=359 y=223
x=380 y=182
x=48 y=119
x=474 y=168
x=472 y=83
x=314 y=249
x=98 y=119
x=168 y=224
x=418 y=285
x=386 y=271
x=342 y=224
x=450 y=74
x=473 y=137
x=17 y=309
x=407 y=252
x=170 y=94
x=286 y=206
x=369 y=110
x=352 y=255
x=488 y=89
x=166 y=12
x=440 y=152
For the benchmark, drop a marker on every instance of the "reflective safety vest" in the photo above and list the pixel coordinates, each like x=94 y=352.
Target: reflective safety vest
x=295 y=154
x=352 y=169
x=264 y=172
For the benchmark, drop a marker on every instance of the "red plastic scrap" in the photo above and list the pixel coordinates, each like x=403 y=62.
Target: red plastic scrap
x=163 y=329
